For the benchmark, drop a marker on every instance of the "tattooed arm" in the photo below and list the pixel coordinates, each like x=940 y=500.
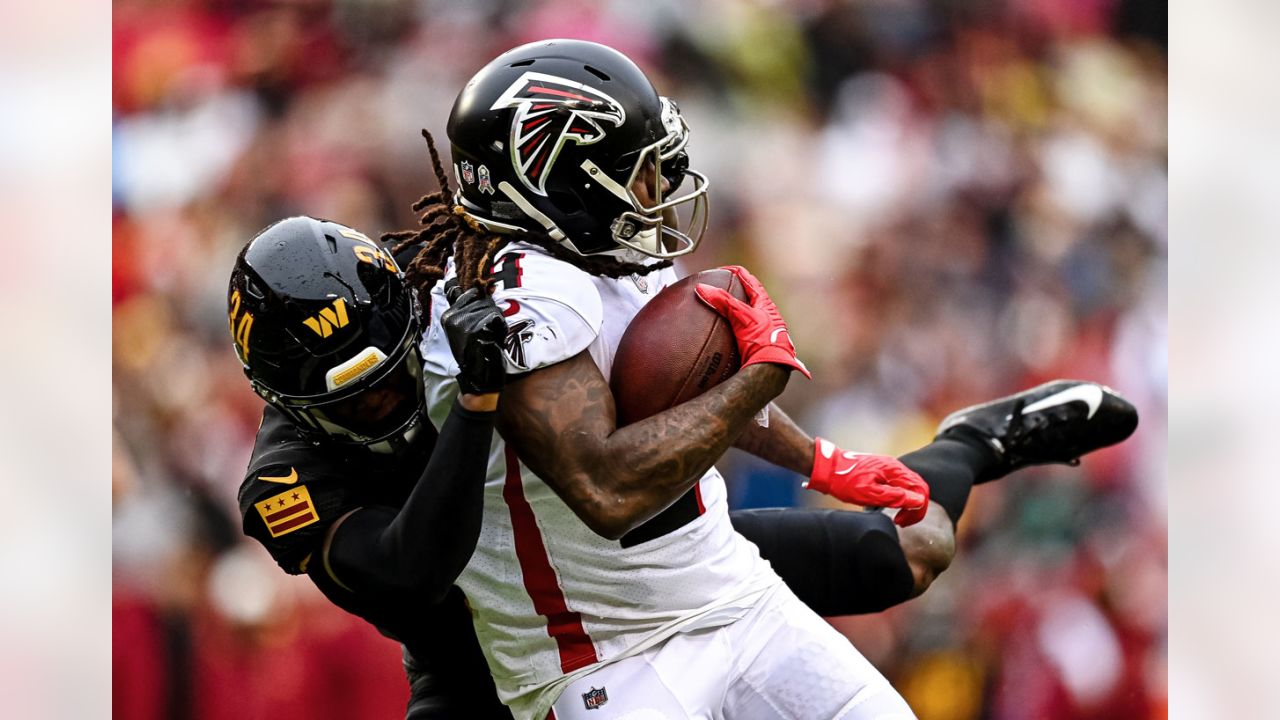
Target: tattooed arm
x=783 y=443
x=560 y=420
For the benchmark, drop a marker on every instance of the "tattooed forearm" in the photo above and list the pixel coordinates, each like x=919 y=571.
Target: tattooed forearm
x=783 y=443
x=561 y=422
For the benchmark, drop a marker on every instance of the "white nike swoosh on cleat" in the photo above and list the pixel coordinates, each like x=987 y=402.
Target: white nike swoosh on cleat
x=1090 y=395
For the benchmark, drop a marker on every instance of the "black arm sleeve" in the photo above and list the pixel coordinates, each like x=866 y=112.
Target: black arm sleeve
x=424 y=546
x=837 y=562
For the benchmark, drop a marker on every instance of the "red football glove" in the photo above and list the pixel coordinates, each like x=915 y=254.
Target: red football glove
x=869 y=480
x=758 y=327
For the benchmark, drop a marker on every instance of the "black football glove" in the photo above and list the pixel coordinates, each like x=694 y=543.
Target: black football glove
x=476 y=333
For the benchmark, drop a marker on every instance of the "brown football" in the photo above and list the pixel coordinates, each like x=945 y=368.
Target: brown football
x=675 y=349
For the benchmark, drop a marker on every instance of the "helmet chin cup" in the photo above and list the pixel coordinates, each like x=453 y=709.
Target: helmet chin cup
x=652 y=229
x=647 y=241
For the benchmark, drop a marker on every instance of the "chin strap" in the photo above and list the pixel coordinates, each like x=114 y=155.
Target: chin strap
x=528 y=209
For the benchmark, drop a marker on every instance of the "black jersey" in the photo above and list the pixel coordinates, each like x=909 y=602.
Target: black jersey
x=295 y=489
x=293 y=492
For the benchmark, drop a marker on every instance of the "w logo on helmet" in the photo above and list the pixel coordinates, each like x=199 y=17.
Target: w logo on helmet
x=550 y=111
x=329 y=318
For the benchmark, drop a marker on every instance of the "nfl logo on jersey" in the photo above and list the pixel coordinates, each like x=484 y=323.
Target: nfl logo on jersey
x=595 y=698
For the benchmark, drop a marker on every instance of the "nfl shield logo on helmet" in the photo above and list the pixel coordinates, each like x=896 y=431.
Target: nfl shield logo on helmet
x=468 y=173
x=595 y=698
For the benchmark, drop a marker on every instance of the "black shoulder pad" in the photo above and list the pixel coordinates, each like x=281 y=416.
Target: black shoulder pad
x=291 y=493
x=291 y=518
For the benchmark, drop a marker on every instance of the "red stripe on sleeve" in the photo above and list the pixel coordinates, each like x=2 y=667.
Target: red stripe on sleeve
x=563 y=624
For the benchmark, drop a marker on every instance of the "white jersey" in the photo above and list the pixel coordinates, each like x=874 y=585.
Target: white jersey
x=551 y=599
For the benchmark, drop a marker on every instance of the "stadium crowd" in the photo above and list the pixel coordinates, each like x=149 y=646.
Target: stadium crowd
x=949 y=201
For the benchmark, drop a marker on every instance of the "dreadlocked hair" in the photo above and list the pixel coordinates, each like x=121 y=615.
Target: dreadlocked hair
x=447 y=231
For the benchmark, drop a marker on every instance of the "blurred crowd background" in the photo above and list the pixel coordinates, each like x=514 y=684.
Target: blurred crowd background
x=949 y=201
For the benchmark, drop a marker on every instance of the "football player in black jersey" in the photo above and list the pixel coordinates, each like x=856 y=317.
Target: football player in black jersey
x=348 y=485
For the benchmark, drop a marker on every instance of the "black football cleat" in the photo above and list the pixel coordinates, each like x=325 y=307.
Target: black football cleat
x=1057 y=422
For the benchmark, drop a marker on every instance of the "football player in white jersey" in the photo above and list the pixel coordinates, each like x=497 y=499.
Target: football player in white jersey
x=608 y=581
x=383 y=505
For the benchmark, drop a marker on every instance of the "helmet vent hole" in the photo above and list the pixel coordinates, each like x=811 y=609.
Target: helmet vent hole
x=596 y=72
x=333 y=242
x=253 y=289
x=522 y=63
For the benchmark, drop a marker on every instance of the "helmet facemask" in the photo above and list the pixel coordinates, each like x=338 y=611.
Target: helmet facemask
x=373 y=400
x=326 y=330
x=654 y=228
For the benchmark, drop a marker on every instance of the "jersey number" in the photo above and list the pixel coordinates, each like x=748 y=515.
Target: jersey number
x=508 y=271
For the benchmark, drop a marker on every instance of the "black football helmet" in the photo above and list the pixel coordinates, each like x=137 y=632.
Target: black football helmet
x=327 y=331
x=550 y=137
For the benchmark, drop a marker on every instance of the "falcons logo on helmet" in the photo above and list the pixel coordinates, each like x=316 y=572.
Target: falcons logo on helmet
x=551 y=111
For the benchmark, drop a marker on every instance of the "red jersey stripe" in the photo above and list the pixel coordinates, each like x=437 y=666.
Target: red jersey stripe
x=563 y=624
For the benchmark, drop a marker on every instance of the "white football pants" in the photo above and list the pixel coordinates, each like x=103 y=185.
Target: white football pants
x=780 y=661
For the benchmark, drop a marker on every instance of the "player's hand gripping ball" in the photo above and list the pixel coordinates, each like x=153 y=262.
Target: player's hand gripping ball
x=675 y=349
x=758 y=327
x=694 y=336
